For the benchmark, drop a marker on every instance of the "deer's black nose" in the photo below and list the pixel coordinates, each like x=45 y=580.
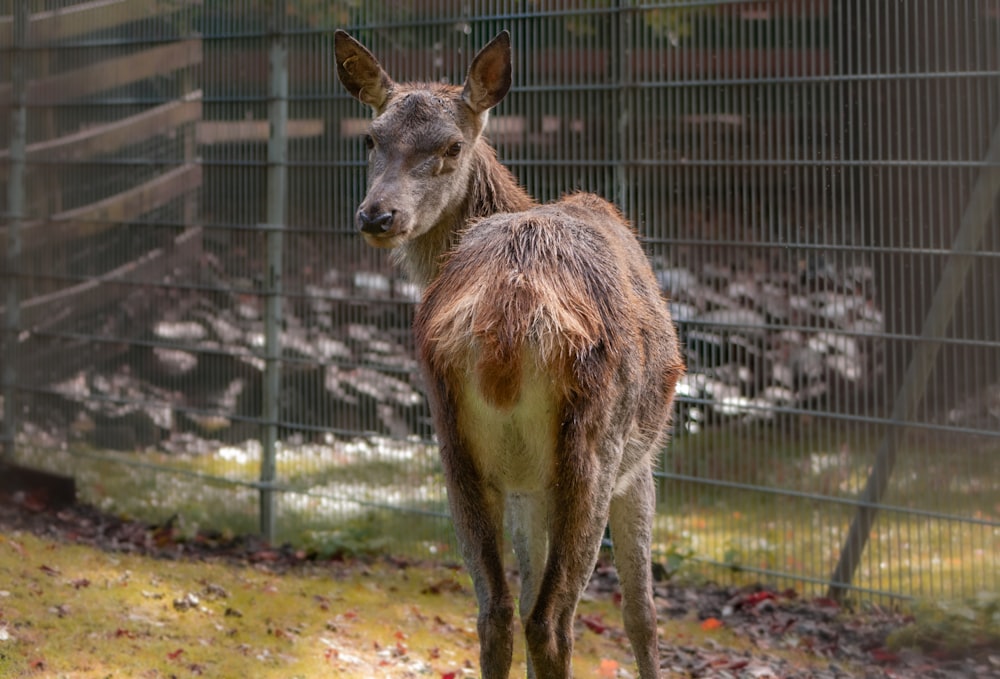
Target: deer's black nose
x=375 y=225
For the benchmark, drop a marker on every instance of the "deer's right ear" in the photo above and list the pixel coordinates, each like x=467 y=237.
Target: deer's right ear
x=489 y=76
x=360 y=72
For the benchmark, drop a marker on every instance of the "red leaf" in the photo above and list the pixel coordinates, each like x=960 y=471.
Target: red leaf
x=49 y=570
x=711 y=624
x=594 y=623
x=883 y=655
x=174 y=655
x=757 y=597
x=448 y=675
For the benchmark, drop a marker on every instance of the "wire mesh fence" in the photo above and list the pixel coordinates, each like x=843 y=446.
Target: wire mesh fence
x=192 y=326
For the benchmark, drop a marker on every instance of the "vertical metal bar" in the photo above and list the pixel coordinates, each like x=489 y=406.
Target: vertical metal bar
x=621 y=56
x=277 y=181
x=967 y=242
x=15 y=203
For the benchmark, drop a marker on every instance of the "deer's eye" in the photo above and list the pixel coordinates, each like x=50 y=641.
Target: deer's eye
x=454 y=150
x=369 y=142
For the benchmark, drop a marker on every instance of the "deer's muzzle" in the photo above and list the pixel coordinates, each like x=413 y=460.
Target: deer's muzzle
x=377 y=224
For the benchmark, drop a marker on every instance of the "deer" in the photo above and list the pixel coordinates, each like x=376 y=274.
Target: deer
x=547 y=352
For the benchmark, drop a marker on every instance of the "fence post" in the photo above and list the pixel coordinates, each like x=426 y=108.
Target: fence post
x=15 y=206
x=277 y=181
x=967 y=242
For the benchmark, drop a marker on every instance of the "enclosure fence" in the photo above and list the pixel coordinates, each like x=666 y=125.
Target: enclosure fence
x=192 y=327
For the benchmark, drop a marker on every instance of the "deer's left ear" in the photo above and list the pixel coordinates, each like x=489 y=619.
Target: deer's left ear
x=361 y=73
x=489 y=76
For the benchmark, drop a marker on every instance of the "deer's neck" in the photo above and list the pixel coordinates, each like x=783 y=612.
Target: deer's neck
x=492 y=189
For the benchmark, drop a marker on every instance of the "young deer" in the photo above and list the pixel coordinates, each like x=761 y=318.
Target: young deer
x=548 y=353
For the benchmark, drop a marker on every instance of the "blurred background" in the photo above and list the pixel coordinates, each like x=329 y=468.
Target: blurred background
x=192 y=328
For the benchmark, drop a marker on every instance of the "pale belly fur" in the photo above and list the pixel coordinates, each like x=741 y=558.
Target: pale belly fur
x=514 y=448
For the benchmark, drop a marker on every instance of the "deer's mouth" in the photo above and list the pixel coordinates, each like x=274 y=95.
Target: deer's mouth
x=383 y=240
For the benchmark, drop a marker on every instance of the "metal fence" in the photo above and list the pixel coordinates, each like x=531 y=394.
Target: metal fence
x=191 y=325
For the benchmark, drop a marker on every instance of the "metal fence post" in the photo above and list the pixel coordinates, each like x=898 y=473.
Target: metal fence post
x=15 y=204
x=967 y=242
x=277 y=180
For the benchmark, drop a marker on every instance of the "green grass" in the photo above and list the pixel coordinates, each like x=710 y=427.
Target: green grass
x=73 y=611
x=911 y=554
x=952 y=629
x=367 y=496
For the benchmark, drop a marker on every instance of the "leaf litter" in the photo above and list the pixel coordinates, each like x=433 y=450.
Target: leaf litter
x=375 y=623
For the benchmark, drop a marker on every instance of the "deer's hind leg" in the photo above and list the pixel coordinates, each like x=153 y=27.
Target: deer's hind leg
x=580 y=497
x=477 y=509
x=631 y=533
x=527 y=515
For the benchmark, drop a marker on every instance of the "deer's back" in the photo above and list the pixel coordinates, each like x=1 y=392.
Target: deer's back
x=559 y=300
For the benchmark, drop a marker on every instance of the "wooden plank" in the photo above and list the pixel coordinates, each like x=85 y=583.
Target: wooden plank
x=225 y=132
x=95 y=218
x=45 y=312
x=112 y=136
x=69 y=22
x=108 y=74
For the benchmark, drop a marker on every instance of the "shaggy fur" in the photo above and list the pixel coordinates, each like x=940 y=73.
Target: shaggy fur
x=549 y=356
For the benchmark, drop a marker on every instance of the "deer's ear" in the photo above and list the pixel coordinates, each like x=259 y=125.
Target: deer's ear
x=360 y=72
x=489 y=76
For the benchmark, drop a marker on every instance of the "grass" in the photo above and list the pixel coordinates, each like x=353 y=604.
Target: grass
x=364 y=496
x=942 y=541
x=75 y=612
x=952 y=628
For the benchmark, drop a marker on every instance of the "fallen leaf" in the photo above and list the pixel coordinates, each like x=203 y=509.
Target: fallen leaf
x=17 y=547
x=442 y=586
x=882 y=655
x=608 y=668
x=174 y=655
x=757 y=597
x=710 y=624
x=594 y=623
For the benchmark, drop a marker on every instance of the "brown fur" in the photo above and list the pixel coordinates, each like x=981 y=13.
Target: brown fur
x=549 y=356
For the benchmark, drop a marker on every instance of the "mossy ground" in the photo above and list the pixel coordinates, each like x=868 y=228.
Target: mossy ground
x=75 y=611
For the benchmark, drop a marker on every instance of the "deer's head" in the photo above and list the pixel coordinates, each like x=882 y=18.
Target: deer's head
x=422 y=141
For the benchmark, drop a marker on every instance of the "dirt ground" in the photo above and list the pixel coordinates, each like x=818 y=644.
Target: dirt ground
x=768 y=633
